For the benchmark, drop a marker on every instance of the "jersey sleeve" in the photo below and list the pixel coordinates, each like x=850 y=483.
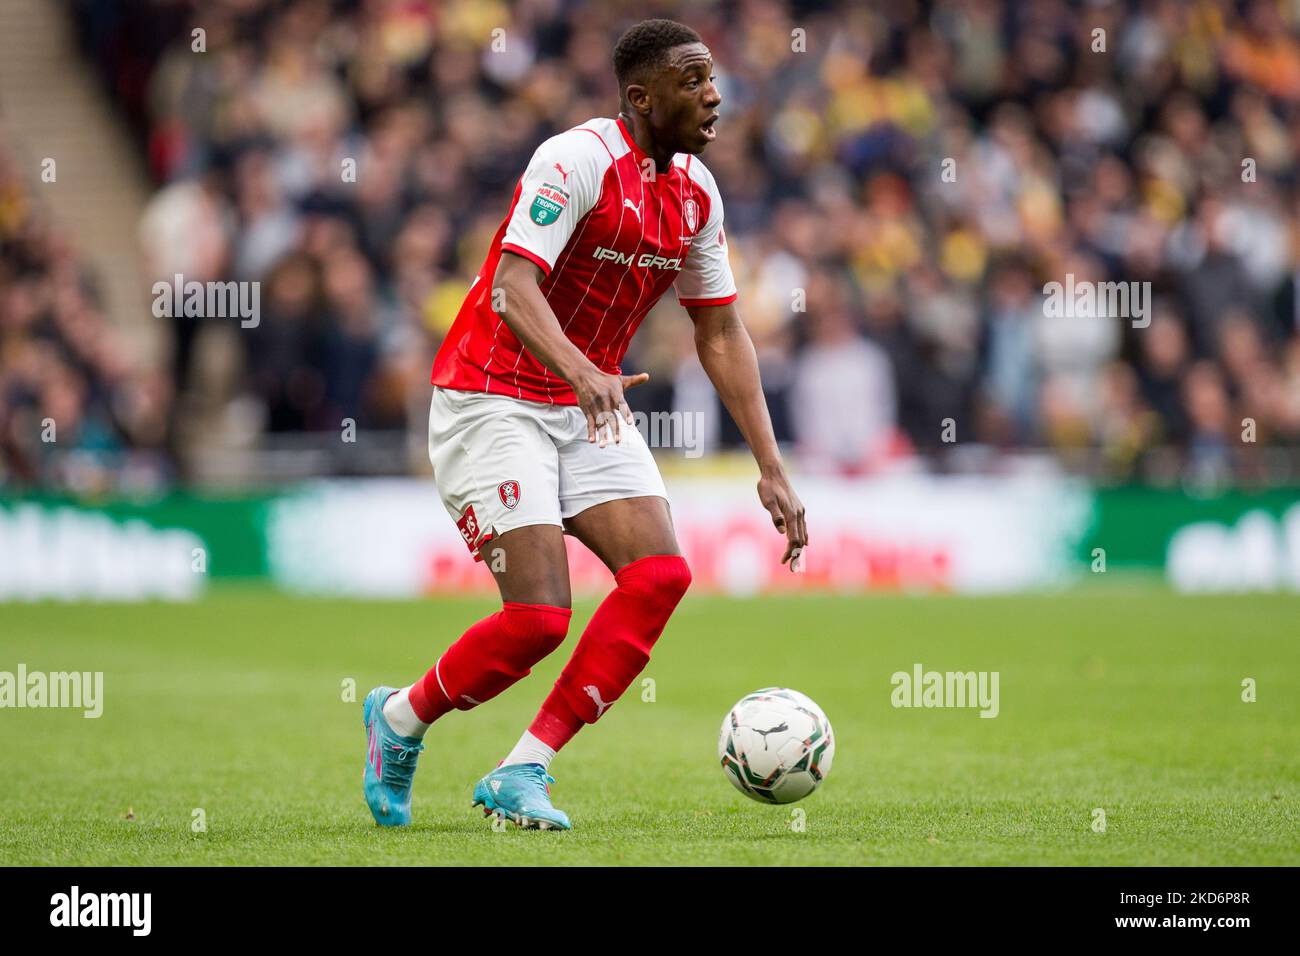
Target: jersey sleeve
x=559 y=187
x=706 y=277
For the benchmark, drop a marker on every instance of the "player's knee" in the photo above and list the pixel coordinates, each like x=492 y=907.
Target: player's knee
x=534 y=630
x=661 y=579
x=677 y=578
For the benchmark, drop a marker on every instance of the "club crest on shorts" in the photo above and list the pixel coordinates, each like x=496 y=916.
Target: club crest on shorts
x=692 y=214
x=509 y=494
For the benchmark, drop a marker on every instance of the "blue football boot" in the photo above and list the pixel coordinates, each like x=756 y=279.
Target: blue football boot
x=520 y=793
x=390 y=763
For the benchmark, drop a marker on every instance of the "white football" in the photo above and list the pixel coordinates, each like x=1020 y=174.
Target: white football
x=776 y=745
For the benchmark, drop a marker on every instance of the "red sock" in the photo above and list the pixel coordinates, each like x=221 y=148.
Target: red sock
x=614 y=648
x=427 y=699
x=489 y=657
x=556 y=723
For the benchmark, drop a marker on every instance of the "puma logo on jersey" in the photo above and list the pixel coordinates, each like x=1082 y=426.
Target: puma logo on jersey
x=647 y=260
x=592 y=691
x=564 y=177
x=636 y=209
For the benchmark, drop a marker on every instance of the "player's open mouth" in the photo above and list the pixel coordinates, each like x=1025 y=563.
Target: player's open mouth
x=707 y=127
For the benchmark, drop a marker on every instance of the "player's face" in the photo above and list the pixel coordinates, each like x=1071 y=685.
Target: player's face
x=685 y=100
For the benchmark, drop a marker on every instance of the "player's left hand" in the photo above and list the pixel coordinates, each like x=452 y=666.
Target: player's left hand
x=787 y=512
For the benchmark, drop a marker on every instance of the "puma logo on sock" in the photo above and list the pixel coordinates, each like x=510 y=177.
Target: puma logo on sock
x=592 y=691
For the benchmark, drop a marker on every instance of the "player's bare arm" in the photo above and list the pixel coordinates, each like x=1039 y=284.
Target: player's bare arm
x=530 y=317
x=728 y=356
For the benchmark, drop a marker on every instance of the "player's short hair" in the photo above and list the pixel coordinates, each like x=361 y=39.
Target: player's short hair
x=645 y=46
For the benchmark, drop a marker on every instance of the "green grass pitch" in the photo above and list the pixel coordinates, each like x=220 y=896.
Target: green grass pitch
x=1124 y=699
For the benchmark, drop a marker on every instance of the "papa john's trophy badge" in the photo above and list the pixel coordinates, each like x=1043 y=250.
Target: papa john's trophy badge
x=508 y=491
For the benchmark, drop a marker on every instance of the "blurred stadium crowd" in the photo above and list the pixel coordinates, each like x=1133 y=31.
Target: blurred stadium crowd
x=884 y=296
x=73 y=407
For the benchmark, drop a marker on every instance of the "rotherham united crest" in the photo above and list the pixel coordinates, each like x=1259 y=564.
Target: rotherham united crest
x=692 y=214
x=509 y=493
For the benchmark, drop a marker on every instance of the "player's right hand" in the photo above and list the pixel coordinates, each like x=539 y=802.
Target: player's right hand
x=600 y=396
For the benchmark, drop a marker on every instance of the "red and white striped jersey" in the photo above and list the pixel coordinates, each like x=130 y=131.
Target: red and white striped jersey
x=611 y=236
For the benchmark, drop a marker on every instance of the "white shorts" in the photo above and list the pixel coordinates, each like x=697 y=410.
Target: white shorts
x=502 y=463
